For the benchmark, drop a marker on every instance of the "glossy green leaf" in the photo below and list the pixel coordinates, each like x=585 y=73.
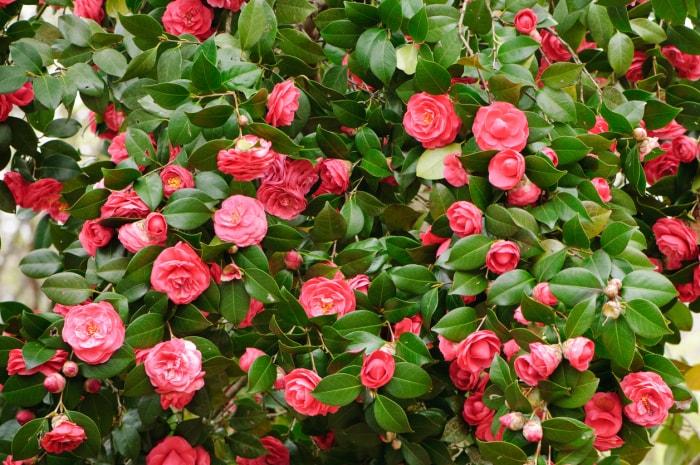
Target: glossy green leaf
x=573 y=285
x=338 y=389
x=262 y=374
x=390 y=416
x=408 y=382
x=509 y=287
x=556 y=104
x=67 y=288
x=618 y=339
x=648 y=285
x=645 y=319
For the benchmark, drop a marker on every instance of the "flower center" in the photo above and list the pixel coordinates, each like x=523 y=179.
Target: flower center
x=326 y=305
x=92 y=328
x=428 y=117
x=175 y=182
x=235 y=217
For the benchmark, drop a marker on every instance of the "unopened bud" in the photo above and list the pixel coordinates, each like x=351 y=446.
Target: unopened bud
x=293 y=260
x=388 y=437
x=55 y=383
x=233 y=250
x=70 y=369
x=639 y=134
x=616 y=282
x=24 y=416
x=58 y=419
x=532 y=430
x=242 y=120
x=612 y=309
x=389 y=348
x=514 y=421
x=611 y=291
x=92 y=386
x=683 y=405
x=396 y=444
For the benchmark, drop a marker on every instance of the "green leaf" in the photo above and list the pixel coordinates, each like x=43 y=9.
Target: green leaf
x=473 y=283
x=117 y=363
x=40 y=263
x=574 y=285
x=414 y=279
x=418 y=25
x=150 y=189
x=390 y=416
x=620 y=52
x=90 y=447
x=186 y=213
x=580 y=318
x=188 y=320
x=261 y=286
x=431 y=77
x=561 y=75
x=556 y=104
x=25 y=443
x=167 y=94
x=349 y=113
x=615 y=238
x=649 y=31
x=137 y=382
x=658 y=114
x=293 y=11
x=298 y=44
x=110 y=61
x=542 y=172
x=412 y=349
x=390 y=13
x=342 y=33
x=431 y=164
x=664 y=367
x=469 y=253
x=12 y=78
x=338 y=389
x=67 y=288
x=375 y=52
x=140 y=147
x=478 y=17
x=211 y=117
x=48 y=91
x=645 y=319
x=262 y=374
x=577 y=386
x=34 y=354
x=673 y=11
x=254 y=14
x=24 y=391
x=648 y=285
x=89 y=205
x=685 y=39
x=618 y=339
x=408 y=382
x=205 y=156
x=143 y=27
x=329 y=225
x=86 y=79
x=517 y=49
x=280 y=141
x=375 y=163
x=566 y=432
x=509 y=287
x=502 y=453
x=235 y=301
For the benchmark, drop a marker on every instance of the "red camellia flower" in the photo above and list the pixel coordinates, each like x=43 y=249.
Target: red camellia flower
x=684 y=148
x=687 y=66
x=17 y=366
x=500 y=126
x=249 y=158
x=553 y=48
x=276 y=453
x=176 y=450
x=93 y=235
x=538 y=364
x=454 y=172
x=431 y=120
x=335 y=176
x=651 y=398
x=188 y=17
x=298 y=386
x=282 y=104
x=174 y=178
x=601 y=185
x=323 y=296
x=543 y=294
x=525 y=193
x=464 y=218
x=377 y=369
x=174 y=368
x=474 y=411
x=241 y=220
x=503 y=256
x=64 y=437
x=579 y=352
x=179 y=272
x=94 y=331
x=91 y=9
x=604 y=415
x=676 y=241
x=232 y=5
x=525 y=21
x=150 y=231
x=124 y=204
x=476 y=352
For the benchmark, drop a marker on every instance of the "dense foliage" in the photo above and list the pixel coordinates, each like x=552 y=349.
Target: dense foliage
x=342 y=233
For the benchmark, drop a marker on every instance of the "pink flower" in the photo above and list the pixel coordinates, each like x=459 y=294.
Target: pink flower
x=506 y=169
x=448 y=349
x=323 y=296
x=676 y=241
x=503 y=256
x=241 y=220
x=324 y=442
x=532 y=430
x=408 y=325
x=664 y=165
x=174 y=178
x=431 y=120
x=474 y=411
x=525 y=21
x=476 y=352
x=500 y=126
x=22 y=96
x=254 y=308
x=248 y=159
x=601 y=185
x=668 y=132
x=539 y=364
x=579 y=351
x=377 y=369
x=553 y=48
x=117 y=149
x=651 y=398
x=524 y=193
x=454 y=172
x=281 y=200
x=180 y=273
x=93 y=235
x=687 y=66
x=359 y=282
x=150 y=231
x=248 y=357
x=484 y=430
x=17 y=366
x=551 y=154
x=64 y=437
x=175 y=366
x=94 y=331
x=188 y=17
x=510 y=348
x=684 y=148
x=232 y=5
x=276 y=454
x=604 y=415
x=124 y=204
x=464 y=380
x=635 y=73
x=112 y=117
x=335 y=176
x=464 y=218
x=18 y=187
x=542 y=294
x=282 y=104
x=42 y=194
x=176 y=450
x=298 y=386
x=90 y=9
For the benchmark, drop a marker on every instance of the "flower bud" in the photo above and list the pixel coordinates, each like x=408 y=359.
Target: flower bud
x=611 y=291
x=243 y=120
x=639 y=134
x=293 y=260
x=396 y=444
x=55 y=383
x=532 y=430
x=70 y=369
x=683 y=405
x=58 y=419
x=514 y=421
x=388 y=437
x=616 y=282
x=92 y=386
x=24 y=416
x=233 y=250
x=611 y=309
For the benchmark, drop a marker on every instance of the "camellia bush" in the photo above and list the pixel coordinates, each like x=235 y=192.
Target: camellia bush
x=396 y=232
